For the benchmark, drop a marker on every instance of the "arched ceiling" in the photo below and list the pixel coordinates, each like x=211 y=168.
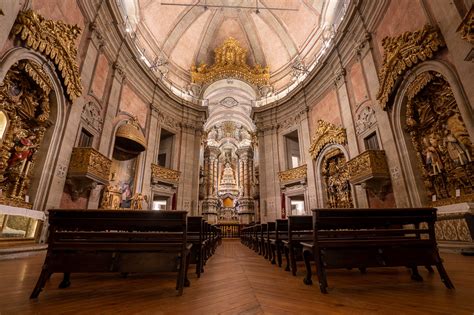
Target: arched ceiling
x=186 y=35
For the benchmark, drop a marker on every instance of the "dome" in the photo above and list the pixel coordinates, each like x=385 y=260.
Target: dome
x=285 y=36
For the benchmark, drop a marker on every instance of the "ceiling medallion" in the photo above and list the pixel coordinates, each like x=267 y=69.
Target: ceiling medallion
x=230 y=62
x=229 y=102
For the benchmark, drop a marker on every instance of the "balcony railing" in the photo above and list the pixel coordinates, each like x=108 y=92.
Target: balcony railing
x=367 y=166
x=87 y=163
x=164 y=174
x=296 y=174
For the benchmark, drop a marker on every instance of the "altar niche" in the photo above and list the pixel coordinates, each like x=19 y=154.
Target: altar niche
x=228 y=174
x=24 y=121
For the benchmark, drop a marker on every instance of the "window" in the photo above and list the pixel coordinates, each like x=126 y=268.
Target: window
x=162 y=159
x=85 y=139
x=371 y=142
x=292 y=147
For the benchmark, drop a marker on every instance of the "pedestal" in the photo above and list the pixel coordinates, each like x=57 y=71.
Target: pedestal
x=209 y=210
x=246 y=211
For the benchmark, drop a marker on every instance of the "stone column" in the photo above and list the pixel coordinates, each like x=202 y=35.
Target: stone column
x=246 y=206
x=209 y=204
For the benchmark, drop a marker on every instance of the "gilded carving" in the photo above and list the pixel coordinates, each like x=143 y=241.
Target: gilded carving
x=452 y=227
x=160 y=173
x=230 y=62
x=89 y=163
x=326 y=133
x=466 y=28
x=441 y=141
x=336 y=179
x=26 y=106
x=294 y=174
x=55 y=40
x=402 y=53
x=368 y=165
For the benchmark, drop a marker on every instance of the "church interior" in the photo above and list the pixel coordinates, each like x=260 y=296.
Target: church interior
x=236 y=156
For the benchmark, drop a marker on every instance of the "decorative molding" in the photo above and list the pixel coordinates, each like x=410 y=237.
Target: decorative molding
x=402 y=53
x=91 y=114
x=325 y=134
x=292 y=175
x=229 y=102
x=365 y=120
x=293 y=119
x=55 y=40
x=466 y=28
x=455 y=227
x=36 y=72
x=230 y=62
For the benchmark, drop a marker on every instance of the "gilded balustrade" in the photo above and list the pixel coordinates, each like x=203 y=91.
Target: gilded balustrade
x=164 y=174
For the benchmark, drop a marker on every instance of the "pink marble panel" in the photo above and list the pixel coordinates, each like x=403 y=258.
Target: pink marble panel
x=100 y=76
x=131 y=103
x=326 y=109
x=64 y=10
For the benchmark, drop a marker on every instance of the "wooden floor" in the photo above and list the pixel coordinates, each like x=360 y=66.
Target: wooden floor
x=238 y=281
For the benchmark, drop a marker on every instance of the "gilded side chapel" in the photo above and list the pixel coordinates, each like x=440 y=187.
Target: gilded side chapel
x=252 y=118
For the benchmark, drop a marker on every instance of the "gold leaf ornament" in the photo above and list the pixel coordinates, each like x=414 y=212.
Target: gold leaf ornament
x=56 y=41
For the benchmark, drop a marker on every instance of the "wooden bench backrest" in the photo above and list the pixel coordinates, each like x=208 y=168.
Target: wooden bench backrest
x=374 y=222
x=195 y=227
x=281 y=229
x=77 y=225
x=299 y=225
x=270 y=229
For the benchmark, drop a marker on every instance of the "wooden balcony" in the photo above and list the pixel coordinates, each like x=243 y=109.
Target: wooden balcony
x=293 y=175
x=164 y=175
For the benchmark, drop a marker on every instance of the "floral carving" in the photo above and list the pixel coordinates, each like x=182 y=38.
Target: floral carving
x=326 y=133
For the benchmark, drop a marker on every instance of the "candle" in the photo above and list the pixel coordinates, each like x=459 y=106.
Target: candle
x=27 y=198
x=458 y=192
x=433 y=198
x=27 y=168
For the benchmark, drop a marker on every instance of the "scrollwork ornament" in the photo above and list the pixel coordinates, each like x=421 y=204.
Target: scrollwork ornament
x=55 y=40
x=326 y=133
x=402 y=53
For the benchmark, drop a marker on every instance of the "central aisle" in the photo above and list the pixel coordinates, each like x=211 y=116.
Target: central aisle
x=238 y=281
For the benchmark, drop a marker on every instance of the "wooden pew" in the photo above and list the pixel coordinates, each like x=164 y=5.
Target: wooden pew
x=196 y=237
x=281 y=233
x=112 y=241
x=270 y=235
x=359 y=238
x=261 y=239
x=300 y=229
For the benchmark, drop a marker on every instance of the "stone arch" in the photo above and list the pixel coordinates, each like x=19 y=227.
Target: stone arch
x=407 y=155
x=47 y=161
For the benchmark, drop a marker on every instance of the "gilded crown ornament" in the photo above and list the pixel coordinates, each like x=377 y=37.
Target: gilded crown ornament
x=402 y=53
x=56 y=41
x=325 y=134
x=230 y=62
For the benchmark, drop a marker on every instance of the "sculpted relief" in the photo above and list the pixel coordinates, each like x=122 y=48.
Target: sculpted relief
x=441 y=140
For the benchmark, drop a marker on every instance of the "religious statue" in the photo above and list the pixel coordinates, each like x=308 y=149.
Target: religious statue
x=137 y=201
x=433 y=158
x=24 y=148
x=455 y=150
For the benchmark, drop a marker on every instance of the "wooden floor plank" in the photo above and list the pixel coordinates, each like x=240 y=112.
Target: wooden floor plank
x=238 y=281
